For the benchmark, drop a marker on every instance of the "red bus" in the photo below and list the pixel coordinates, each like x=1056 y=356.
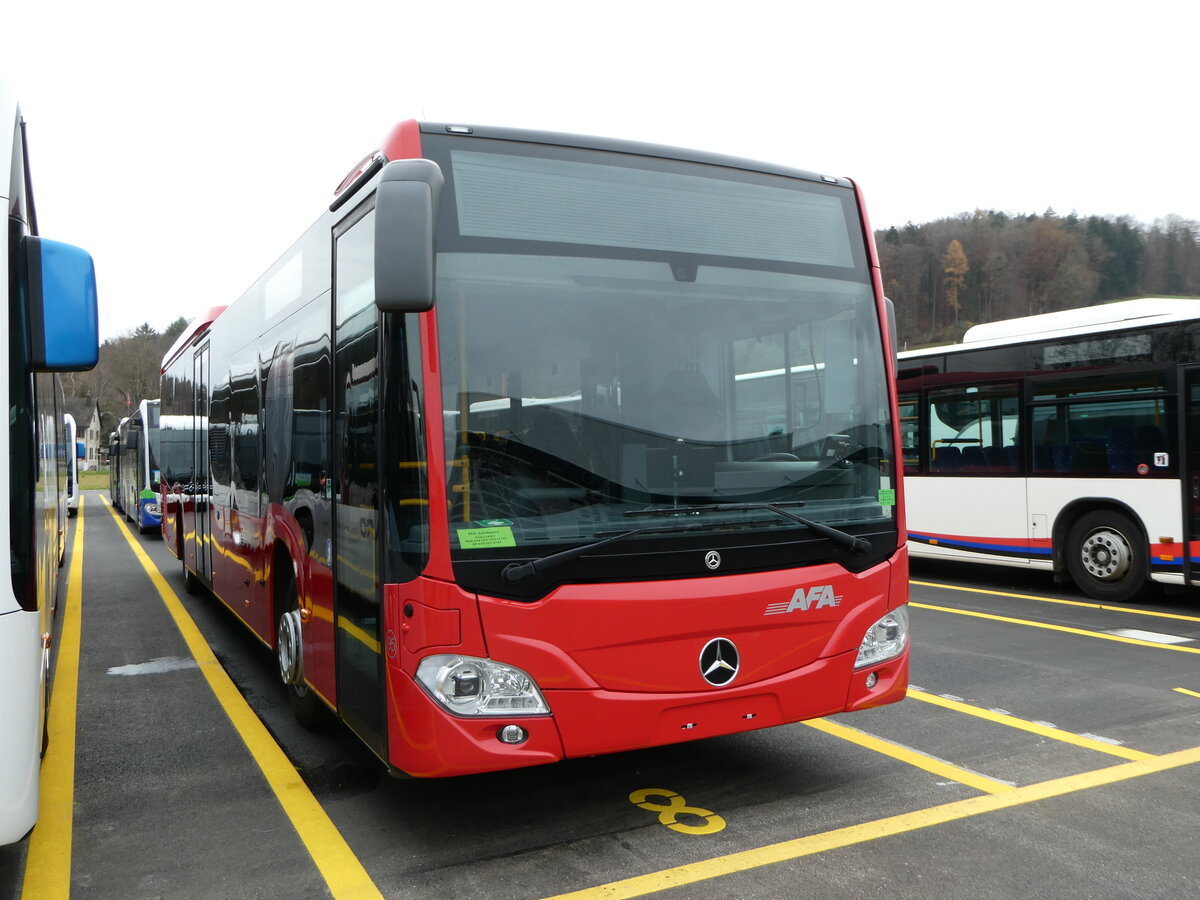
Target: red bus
x=538 y=446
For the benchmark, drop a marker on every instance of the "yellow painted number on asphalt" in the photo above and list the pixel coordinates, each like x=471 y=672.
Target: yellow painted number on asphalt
x=675 y=805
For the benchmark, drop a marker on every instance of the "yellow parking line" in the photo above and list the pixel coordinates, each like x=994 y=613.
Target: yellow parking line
x=641 y=885
x=1013 y=722
x=1189 y=693
x=1124 y=609
x=343 y=872
x=1100 y=635
x=48 y=860
x=913 y=757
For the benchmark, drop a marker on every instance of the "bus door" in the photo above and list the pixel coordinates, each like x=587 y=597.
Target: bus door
x=358 y=593
x=1191 y=475
x=202 y=486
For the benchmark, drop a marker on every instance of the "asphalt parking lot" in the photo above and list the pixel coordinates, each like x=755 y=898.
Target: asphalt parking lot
x=1049 y=747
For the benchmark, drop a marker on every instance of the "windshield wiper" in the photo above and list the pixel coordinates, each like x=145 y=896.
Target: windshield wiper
x=517 y=571
x=514 y=572
x=849 y=541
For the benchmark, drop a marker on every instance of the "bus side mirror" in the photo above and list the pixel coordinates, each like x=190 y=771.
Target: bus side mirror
x=406 y=203
x=131 y=439
x=64 y=325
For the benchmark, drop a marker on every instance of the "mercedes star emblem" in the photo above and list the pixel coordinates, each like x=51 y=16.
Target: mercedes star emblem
x=719 y=661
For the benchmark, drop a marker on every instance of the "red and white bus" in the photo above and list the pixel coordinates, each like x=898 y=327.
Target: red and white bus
x=1068 y=441
x=478 y=458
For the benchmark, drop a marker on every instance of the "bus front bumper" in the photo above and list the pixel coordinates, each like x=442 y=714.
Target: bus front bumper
x=425 y=741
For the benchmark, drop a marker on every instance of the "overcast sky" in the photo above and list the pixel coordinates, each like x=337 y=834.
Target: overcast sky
x=187 y=145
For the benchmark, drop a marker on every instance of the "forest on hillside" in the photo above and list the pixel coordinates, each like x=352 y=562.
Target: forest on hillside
x=947 y=275
x=126 y=374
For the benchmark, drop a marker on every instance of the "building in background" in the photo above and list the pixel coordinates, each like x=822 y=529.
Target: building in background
x=86 y=413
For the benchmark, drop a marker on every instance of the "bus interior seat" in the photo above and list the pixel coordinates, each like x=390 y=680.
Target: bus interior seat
x=1012 y=457
x=1150 y=440
x=1050 y=453
x=947 y=458
x=1122 y=449
x=1002 y=459
x=1088 y=456
x=974 y=458
x=1062 y=457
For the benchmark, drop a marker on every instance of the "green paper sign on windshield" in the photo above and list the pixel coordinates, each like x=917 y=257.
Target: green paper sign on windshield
x=482 y=538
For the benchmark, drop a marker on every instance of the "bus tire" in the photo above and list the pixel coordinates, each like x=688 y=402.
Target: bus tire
x=307 y=707
x=1107 y=557
x=191 y=583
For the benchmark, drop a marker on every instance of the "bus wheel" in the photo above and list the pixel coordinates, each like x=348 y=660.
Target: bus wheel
x=310 y=712
x=1106 y=556
x=191 y=583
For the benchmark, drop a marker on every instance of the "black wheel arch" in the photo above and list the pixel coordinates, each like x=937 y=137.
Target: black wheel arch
x=283 y=575
x=1073 y=512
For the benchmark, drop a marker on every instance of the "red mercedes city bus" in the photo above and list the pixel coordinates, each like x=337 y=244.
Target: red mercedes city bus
x=538 y=446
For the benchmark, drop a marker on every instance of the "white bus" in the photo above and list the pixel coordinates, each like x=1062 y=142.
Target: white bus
x=51 y=327
x=1068 y=441
x=135 y=462
x=74 y=454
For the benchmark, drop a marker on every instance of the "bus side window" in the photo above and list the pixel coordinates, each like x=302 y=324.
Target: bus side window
x=910 y=406
x=1103 y=437
x=974 y=430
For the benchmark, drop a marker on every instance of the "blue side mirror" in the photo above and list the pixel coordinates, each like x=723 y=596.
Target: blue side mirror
x=64 y=319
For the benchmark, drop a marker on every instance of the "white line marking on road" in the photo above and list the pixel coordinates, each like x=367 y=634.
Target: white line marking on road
x=1152 y=636
x=1103 y=739
x=155 y=666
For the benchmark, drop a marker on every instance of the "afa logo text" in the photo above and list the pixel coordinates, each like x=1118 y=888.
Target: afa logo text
x=814 y=598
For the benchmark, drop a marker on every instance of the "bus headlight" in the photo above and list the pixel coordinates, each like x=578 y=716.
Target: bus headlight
x=884 y=640
x=469 y=686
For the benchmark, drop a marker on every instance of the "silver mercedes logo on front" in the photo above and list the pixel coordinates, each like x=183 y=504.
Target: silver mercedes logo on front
x=719 y=661
x=712 y=559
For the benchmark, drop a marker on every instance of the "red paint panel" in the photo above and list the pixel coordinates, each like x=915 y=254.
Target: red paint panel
x=648 y=637
x=172 y=533
x=318 y=631
x=899 y=576
x=891 y=686
x=1167 y=552
x=426 y=742
x=611 y=689
x=594 y=722
x=424 y=627
x=444 y=619
x=403 y=141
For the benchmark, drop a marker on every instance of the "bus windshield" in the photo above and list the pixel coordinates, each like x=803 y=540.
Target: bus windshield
x=621 y=333
x=152 y=443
